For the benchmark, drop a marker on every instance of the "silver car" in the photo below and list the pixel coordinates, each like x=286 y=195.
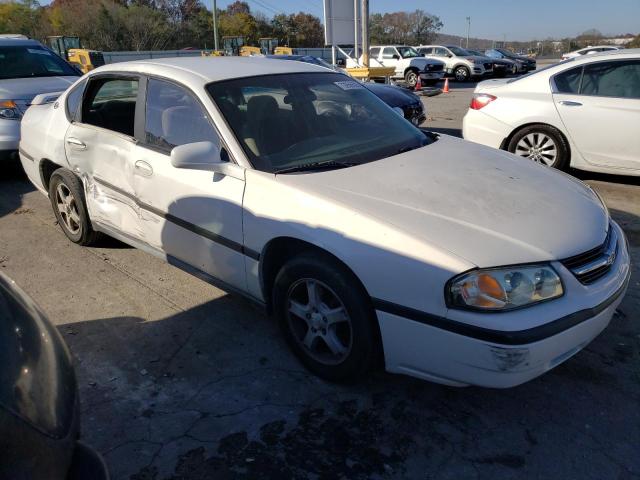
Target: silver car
x=27 y=68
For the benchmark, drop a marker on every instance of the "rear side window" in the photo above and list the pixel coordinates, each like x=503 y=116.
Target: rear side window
x=374 y=52
x=111 y=103
x=74 y=98
x=174 y=117
x=612 y=79
x=569 y=80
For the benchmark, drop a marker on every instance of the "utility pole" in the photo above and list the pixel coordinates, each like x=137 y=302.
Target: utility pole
x=468 y=29
x=365 y=33
x=215 y=26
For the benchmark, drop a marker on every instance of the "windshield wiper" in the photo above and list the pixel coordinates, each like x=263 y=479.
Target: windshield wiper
x=315 y=166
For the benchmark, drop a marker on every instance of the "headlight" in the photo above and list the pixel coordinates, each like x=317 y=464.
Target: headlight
x=504 y=288
x=9 y=110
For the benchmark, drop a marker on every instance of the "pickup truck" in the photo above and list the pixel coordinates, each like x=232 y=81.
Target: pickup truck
x=408 y=64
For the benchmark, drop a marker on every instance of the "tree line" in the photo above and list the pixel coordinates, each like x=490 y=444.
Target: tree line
x=112 y=25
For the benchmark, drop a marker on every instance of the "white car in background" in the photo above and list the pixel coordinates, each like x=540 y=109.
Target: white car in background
x=590 y=51
x=582 y=113
x=463 y=65
x=369 y=239
x=27 y=69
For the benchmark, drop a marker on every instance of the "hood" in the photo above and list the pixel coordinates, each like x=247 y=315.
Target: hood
x=478 y=58
x=392 y=95
x=27 y=88
x=483 y=205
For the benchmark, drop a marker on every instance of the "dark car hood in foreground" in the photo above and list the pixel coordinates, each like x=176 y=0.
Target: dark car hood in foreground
x=392 y=95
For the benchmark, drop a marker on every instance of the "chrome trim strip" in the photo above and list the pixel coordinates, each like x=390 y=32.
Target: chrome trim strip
x=607 y=258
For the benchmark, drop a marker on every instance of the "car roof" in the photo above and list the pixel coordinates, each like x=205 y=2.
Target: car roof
x=17 y=41
x=628 y=52
x=203 y=70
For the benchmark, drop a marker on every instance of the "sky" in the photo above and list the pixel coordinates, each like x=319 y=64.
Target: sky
x=494 y=19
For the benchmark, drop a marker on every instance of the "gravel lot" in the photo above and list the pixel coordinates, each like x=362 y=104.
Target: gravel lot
x=180 y=380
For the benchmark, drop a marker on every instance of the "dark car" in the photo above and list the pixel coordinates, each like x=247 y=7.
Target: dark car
x=501 y=66
x=527 y=63
x=395 y=97
x=39 y=407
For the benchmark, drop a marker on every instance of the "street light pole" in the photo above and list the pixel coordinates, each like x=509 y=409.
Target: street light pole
x=215 y=26
x=468 y=29
x=365 y=33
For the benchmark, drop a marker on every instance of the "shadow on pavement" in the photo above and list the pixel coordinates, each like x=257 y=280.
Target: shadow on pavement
x=13 y=185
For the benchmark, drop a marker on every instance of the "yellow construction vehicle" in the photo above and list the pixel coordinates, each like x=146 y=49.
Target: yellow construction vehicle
x=248 y=51
x=283 y=51
x=268 y=45
x=70 y=48
x=211 y=53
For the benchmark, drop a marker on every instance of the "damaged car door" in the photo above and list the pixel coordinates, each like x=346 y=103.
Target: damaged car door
x=100 y=145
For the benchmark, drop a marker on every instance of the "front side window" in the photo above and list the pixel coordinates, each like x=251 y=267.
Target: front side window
x=174 y=117
x=441 y=52
x=298 y=120
x=28 y=61
x=612 y=79
x=111 y=103
x=408 y=52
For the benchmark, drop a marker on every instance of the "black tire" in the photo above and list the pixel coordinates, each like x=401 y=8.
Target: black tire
x=65 y=180
x=562 y=157
x=462 y=73
x=411 y=77
x=364 y=345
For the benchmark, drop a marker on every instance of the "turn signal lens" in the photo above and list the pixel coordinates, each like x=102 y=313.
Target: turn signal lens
x=481 y=100
x=504 y=289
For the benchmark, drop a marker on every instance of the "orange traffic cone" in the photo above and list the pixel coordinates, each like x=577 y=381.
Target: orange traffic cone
x=446 y=86
x=418 y=86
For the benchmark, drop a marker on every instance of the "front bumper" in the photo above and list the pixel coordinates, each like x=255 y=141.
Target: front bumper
x=431 y=76
x=460 y=354
x=9 y=135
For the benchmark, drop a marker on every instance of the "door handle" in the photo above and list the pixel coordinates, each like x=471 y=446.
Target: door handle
x=143 y=168
x=76 y=143
x=568 y=103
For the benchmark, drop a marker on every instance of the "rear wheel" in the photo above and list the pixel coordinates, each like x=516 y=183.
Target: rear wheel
x=543 y=144
x=67 y=199
x=325 y=318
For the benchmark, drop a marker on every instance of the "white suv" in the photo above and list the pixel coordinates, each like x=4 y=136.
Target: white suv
x=409 y=64
x=459 y=63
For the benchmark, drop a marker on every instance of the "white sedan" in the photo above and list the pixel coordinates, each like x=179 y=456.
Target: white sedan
x=583 y=113
x=368 y=239
x=590 y=51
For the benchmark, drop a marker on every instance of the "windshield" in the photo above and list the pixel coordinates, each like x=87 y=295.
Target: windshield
x=32 y=61
x=408 y=52
x=461 y=52
x=508 y=53
x=299 y=120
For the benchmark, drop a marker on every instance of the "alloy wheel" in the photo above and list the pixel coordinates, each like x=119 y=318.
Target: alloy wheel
x=462 y=74
x=319 y=321
x=68 y=209
x=539 y=147
x=412 y=79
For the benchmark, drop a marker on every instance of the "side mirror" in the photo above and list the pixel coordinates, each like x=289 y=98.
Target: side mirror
x=449 y=55
x=204 y=156
x=395 y=56
x=196 y=156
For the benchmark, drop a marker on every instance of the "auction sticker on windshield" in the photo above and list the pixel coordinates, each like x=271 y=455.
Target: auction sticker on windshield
x=348 y=85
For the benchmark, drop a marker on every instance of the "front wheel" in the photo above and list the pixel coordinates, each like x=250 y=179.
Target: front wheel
x=543 y=144
x=67 y=199
x=411 y=78
x=325 y=317
x=462 y=74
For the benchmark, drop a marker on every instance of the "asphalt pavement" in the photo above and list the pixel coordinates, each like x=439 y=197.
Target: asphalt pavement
x=179 y=380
